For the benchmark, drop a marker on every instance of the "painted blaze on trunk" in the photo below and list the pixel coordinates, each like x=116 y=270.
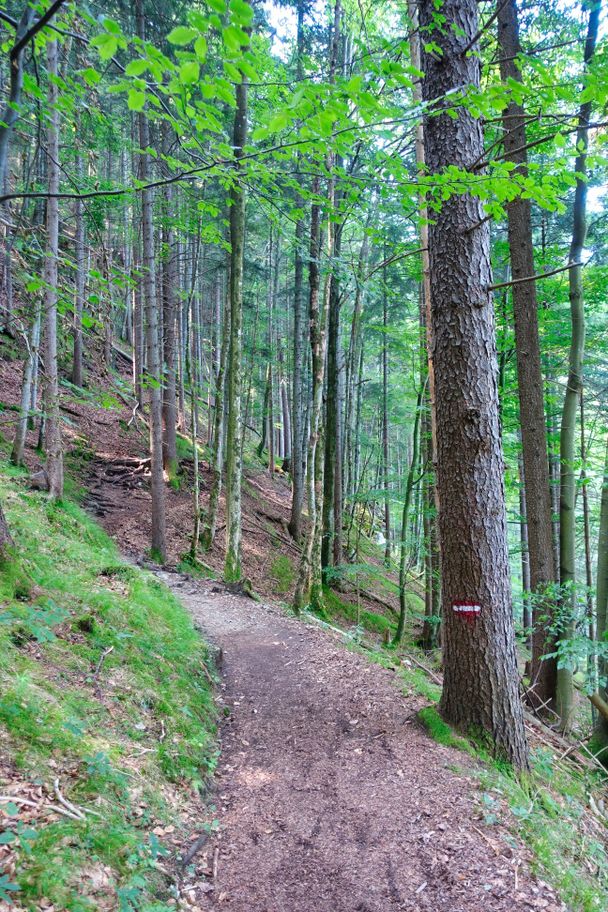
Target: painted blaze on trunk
x=480 y=689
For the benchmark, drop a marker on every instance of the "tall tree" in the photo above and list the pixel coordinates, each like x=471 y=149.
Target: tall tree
x=159 y=520
x=232 y=567
x=480 y=689
x=529 y=374
x=53 y=447
x=567 y=453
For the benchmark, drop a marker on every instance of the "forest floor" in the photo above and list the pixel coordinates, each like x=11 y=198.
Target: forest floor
x=330 y=794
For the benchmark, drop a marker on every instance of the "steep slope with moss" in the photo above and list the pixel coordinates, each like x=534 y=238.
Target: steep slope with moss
x=107 y=723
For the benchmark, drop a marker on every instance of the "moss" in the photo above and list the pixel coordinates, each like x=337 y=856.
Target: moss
x=282 y=573
x=116 y=662
x=440 y=731
x=340 y=609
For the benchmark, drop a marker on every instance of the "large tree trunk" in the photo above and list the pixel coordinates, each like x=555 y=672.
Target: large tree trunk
x=529 y=373
x=54 y=454
x=232 y=568
x=480 y=690
x=159 y=531
x=567 y=449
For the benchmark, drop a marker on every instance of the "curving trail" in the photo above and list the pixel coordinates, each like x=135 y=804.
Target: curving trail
x=330 y=796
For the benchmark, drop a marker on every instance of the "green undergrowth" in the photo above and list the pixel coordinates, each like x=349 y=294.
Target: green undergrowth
x=104 y=688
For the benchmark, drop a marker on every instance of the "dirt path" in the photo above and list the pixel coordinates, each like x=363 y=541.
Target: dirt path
x=330 y=796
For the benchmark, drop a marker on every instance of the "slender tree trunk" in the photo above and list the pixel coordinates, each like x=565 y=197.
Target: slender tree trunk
x=10 y=114
x=217 y=452
x=529 y=374
x=26 y=388
x=385 y=451
x=303 y=593
x=297 y=464
x=80 y=278
x=159 y=531
x=526 y=582
x=171 y=288
x=407 y=499
x=232 y=569
x=480 y=689
x=567 y=506
x=601 y=603
x=591 y=625
x=54 y=454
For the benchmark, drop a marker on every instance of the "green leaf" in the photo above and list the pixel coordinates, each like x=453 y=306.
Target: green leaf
x=242 y=13
x=105 y=44
x=7 y=837
x=136 y=100
x=182 y=35
x=218 y=5
x=90 y=76
x=136 y=67
x=189 y=72
x=235 y=38
x=200 y=47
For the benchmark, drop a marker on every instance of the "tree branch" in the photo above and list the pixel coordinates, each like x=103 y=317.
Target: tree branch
x=533 y=278
x=35 y=28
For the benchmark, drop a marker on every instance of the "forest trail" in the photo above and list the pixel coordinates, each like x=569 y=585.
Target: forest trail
x=330 y=795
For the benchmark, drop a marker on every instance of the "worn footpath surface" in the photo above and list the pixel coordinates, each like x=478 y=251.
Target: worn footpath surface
x=330 y=796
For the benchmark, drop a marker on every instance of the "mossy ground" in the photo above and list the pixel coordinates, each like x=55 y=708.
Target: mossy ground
x=104 y=686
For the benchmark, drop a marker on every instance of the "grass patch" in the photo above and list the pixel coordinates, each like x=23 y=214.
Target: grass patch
x=283 y=574
x=104 y=684
x=339 y=609
x=440 y=731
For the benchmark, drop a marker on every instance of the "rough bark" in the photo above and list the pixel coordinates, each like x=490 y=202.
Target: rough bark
x=480 y=690
x=529 y=373
x=567 y=454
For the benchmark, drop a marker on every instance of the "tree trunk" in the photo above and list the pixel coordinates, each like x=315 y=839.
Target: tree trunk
x=601 y=603
x=232 y=568
x=385 y=452
x=80 y=289
x=26 y=388
x=303 y=593
x=529 y=373
x=54 y=454
x=159 y=532
x=217 y=452
x=480 y=690
x=567 y=502
x=407 y=499
x=297 y=464
x=171 y=289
